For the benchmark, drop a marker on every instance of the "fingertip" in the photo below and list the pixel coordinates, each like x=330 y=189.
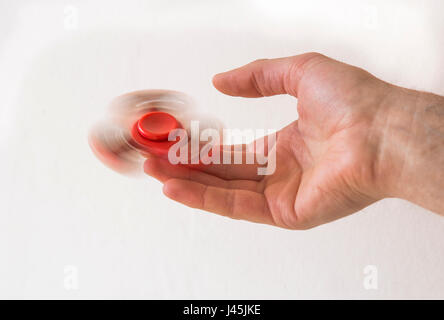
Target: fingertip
x=149 y=166
x=186 y=192
x=215 y=78
x=172 y=189
x=236 y=83
x=153 y=168
x=168 y=190
x=218 y=81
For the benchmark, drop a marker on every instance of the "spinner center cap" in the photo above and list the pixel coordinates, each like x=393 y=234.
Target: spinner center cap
x=156 y=125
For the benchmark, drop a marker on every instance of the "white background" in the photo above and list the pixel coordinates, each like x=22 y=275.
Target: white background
x=63 y=214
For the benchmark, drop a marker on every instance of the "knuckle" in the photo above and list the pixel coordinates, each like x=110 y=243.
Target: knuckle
x=258 y=61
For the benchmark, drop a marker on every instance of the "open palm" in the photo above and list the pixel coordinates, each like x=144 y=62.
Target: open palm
x=327 y=161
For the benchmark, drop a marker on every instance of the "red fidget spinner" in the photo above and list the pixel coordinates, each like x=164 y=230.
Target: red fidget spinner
x=139 y=125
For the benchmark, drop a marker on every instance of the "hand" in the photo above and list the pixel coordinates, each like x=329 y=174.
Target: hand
x=337 y=158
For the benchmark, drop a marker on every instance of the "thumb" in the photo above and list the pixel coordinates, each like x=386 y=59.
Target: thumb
x=266 y=77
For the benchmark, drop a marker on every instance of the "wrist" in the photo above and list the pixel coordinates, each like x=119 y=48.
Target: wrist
x=411 y=153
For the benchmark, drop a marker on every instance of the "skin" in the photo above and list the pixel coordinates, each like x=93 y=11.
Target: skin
x=358 y=139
